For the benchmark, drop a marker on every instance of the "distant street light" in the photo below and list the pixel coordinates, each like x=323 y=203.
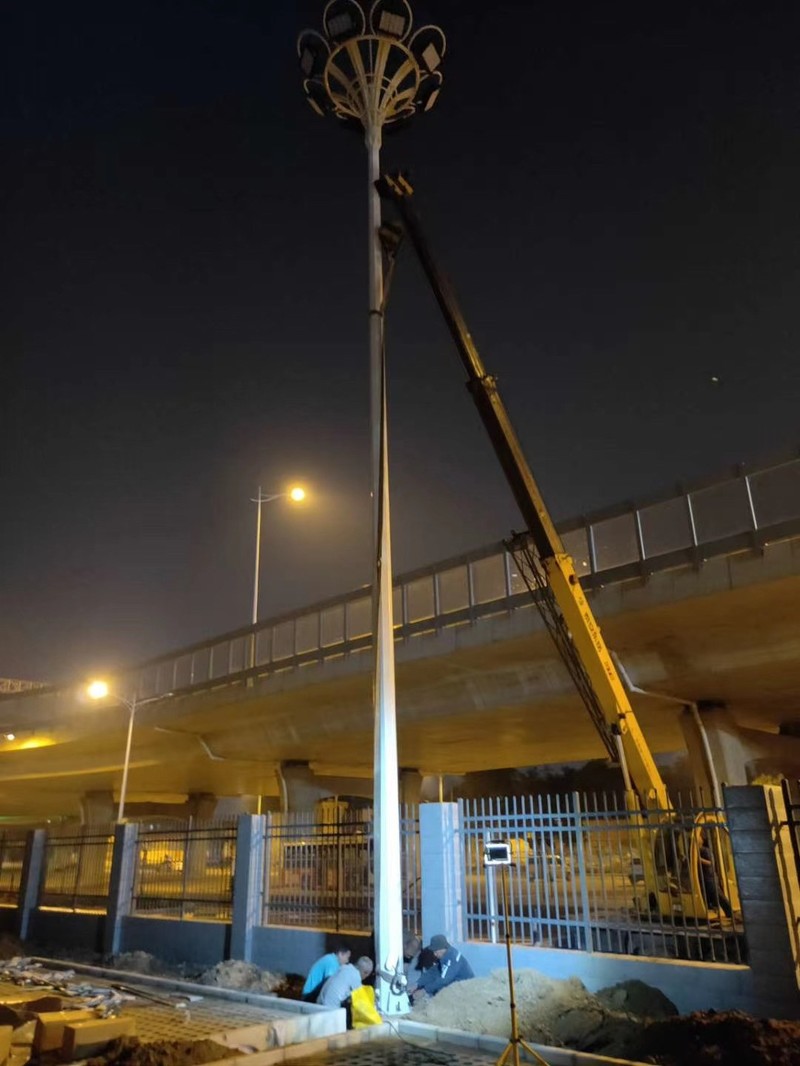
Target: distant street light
x=370 y=68
x=99 y=690
x=296 y=495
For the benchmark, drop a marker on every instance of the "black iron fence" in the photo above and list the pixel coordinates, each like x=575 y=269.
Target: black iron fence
x=588 y=873
x=77 y=868
x=185 y=870
x=319 y=869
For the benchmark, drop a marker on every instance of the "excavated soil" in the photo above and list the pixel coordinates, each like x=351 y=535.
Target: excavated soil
x=629 y=1020
x=244 y=976
x=128 y=1051
x=549 y=1011
x=725 y=1038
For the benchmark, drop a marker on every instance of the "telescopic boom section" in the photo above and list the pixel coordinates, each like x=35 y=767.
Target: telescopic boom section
x=548 y=570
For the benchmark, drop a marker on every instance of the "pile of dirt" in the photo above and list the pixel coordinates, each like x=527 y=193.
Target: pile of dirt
x=243 y=976
x=128 y=1051
x=635 y=997
x=144 y=963
x=725 y=1038
x=10 y=947
x=629 y=1020
x=549 y=1011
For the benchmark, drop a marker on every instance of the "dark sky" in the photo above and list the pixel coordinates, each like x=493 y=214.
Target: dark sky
x=613 y=187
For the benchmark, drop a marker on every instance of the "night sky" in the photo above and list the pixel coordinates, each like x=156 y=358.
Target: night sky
x=613 y=188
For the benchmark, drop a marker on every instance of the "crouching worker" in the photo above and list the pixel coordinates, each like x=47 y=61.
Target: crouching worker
x=322 y=969
x=450 y=966
x=338 y=990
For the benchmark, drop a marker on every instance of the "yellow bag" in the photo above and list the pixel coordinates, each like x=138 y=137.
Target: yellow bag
x=365 y=1012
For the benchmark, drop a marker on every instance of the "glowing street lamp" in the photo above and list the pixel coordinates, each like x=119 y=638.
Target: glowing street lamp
x=296 y=494
x=371 y=68
x=99 y=690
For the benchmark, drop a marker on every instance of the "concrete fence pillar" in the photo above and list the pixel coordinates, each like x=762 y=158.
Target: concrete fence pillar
x=442 y=868
x=768 y=889
x=120 y=888
x=248 y=884
x=30 y=880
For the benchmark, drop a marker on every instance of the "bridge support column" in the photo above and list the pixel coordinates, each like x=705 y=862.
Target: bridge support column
x=248 y=884
x=98 y=808
x=301 y=788
x=441 y=844
x=410 y=786
x=120 y=891
x=720 y=748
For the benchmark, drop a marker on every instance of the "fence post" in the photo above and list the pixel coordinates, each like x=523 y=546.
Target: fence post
x=120 y=887
x=579 y=845
x=442 y=865
x=769 y=894
x=248 y=884
x=30 y=880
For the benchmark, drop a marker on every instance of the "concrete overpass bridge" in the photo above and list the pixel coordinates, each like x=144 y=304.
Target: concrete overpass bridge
x=698 y=592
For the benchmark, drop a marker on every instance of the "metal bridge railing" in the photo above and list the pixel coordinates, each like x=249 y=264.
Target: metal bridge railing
x=77 y=868
x=577 y=879
x=741 y=512
x=185 y=871
x=319 y=872
x=12 y=856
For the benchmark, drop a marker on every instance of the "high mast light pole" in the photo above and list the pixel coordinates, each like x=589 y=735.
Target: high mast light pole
x=370 y=68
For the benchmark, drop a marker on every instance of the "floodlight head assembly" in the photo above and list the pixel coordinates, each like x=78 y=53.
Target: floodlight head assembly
x=369 y=67
x=497 y=853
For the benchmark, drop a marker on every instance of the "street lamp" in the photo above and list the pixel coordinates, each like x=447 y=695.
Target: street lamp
x=99 y=690
x=296 y=495
x=369 y=70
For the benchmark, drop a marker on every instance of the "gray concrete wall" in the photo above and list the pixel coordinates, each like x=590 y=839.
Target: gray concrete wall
x=201 y=943
x=9 y=919
x=690 y=985
x=65 y=930
x=286 y=950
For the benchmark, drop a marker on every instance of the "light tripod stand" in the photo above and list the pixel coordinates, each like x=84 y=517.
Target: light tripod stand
x=498 y=853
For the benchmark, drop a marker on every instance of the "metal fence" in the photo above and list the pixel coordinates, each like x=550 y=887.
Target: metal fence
x=12 y=856
x=744 y=511
x=77 y=868
x=586 y=875
x=319 y=869
x=185 y=871
x=791 y=799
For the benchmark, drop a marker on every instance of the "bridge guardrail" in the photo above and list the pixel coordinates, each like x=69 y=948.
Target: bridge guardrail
x=742 y=512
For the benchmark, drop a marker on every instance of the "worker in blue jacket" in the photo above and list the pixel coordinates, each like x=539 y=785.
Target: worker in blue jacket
x=450 y=966
x=324 y=968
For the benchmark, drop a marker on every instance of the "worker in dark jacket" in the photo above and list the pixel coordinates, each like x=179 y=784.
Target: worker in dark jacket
x=450 y=966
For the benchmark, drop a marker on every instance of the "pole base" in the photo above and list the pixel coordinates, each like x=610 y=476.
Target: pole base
x=512 y=1052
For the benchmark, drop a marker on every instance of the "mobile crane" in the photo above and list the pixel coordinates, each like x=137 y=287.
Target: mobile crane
x=670 y=868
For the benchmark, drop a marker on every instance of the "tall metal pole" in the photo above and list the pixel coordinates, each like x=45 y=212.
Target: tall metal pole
x=123 y=788
x=259 y=501
x=370 y=70
x=388 y=888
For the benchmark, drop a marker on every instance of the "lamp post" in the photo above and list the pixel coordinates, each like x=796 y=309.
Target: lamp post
x=369 y=68
x=99 y=690
x=296 y=495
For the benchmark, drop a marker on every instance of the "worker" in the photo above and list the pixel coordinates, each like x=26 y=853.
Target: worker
x=338 y=989
x=715 y=897
x=324 y=968
x=412 y=956
x=450 y=966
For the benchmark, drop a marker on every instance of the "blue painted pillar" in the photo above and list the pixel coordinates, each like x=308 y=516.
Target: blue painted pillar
x=30 y=880
x=441 y=856
x=120 y=888
x=248 y=884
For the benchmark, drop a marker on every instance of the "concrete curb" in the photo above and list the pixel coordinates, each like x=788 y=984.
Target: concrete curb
x=554 y=1056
